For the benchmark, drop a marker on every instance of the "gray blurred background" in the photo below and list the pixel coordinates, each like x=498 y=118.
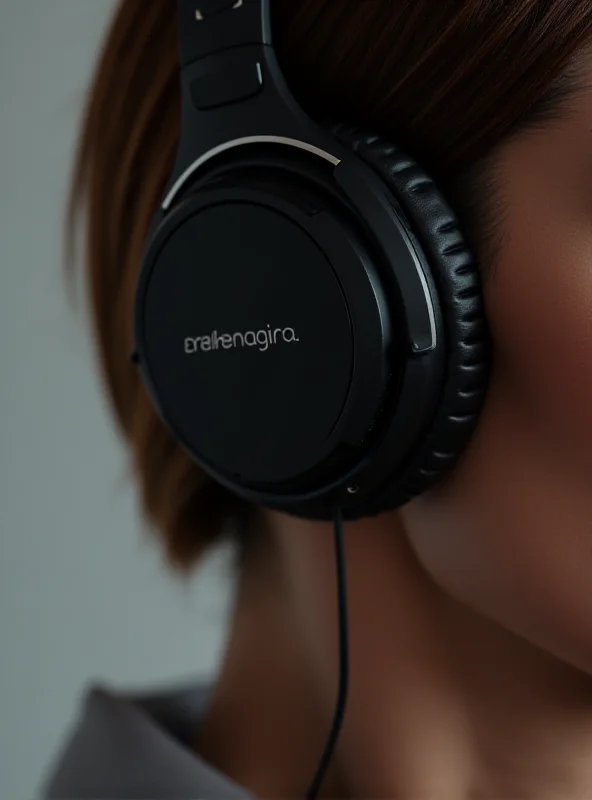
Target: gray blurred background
x=83 y=594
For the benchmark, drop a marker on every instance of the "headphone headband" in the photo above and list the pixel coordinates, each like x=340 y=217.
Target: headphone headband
x=207 y=27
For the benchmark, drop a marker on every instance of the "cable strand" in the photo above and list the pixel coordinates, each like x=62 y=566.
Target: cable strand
x=343 y=658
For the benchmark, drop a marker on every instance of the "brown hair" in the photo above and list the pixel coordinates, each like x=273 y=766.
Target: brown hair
x=450 y=81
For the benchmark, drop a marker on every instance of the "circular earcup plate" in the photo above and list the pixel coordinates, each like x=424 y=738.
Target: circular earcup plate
x=246 y=340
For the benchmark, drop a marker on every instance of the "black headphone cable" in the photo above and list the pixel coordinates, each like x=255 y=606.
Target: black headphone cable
x=343 y=657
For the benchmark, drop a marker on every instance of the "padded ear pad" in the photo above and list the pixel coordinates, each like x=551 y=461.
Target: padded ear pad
x=457 y=279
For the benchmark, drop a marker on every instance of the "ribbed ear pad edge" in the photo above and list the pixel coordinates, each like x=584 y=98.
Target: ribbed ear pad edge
x=458 y=282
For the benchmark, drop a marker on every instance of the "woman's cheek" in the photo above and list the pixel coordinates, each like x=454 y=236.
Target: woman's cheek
x=539 y=305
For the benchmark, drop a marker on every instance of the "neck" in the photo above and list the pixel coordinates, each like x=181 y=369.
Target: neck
x=442 y=702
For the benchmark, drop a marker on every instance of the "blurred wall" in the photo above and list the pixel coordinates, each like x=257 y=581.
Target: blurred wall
x=83 y=594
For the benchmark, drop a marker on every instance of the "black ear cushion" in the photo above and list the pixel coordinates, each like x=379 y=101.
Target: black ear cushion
x=458 y=281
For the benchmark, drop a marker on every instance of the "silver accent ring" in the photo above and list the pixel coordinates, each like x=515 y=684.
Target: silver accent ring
x=235 y=143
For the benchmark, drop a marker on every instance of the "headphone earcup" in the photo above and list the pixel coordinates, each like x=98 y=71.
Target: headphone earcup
x=458 y=282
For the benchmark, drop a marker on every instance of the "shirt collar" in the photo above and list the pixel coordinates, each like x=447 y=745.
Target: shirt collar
x=137 y=746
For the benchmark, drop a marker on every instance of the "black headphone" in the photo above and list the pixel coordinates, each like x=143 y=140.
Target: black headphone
x=308 y=317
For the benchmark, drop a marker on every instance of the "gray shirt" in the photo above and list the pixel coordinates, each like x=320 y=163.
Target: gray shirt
x=137 y=746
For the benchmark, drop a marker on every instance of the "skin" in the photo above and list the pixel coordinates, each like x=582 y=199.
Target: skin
x=470 y=609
